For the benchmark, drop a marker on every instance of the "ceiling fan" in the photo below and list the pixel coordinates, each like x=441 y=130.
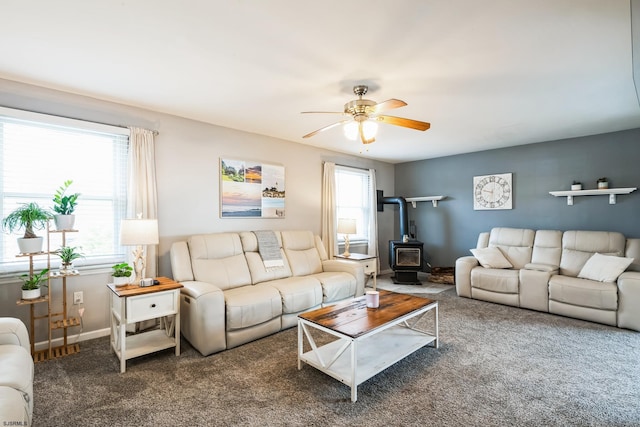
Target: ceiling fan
x=364 y=111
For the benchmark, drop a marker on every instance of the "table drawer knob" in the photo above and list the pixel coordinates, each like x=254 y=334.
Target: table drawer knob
x=153 y=306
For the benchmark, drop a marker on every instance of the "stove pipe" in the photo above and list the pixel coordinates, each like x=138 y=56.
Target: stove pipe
x=404 y=216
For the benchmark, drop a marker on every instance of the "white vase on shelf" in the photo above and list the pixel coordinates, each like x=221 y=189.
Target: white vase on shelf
x=30 y=245
x=31 y=293
x=64 y=222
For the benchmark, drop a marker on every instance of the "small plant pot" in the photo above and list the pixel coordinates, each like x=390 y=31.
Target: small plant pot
x=30 y=246
x=31 y=293
x=121 y=281
x=64 y=222
x=603 y=185
x=66 y=267
x=576 y=187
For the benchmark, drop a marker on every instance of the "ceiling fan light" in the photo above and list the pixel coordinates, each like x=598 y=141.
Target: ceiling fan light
x=370 y=129
x=351 y=130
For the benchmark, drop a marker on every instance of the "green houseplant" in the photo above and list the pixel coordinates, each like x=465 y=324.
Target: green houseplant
x=31 y=284
x=67 y=255
x=64 y=205
x=29 y=216
x=121 y=273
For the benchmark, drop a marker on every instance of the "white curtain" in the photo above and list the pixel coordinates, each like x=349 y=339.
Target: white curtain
x=372 y=234
x=142 y=195
x=329 y=221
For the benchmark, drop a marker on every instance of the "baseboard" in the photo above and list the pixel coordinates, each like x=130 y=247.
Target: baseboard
x=85 y=336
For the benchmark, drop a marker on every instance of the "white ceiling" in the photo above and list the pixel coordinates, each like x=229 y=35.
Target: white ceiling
x=485 y=74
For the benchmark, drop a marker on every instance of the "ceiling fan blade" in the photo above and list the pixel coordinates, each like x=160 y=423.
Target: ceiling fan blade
x=322 y=112
x=400 y=121
x=325 y=128
x=389 y=104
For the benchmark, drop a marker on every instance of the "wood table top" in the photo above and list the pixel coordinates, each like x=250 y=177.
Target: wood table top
x=165 y=284
x=354 y=319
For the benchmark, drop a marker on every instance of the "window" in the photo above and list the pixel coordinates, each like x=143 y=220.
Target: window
x=352 y=200
x=38 y=153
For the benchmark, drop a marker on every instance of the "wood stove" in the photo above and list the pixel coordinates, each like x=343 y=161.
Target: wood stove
x=405 y=259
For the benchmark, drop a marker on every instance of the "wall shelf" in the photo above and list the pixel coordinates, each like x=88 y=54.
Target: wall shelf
x=611 y=192
x=432 y=199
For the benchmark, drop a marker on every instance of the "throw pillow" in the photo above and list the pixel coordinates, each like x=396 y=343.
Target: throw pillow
x=491 y=258
x=604 y=268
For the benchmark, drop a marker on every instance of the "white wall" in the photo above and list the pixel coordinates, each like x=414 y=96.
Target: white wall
x=189 y=195
x=187 y=162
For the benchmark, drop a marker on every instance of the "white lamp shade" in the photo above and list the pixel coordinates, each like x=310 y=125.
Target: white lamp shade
x=351 y=130
x=135 y=232
x=346 y=226
x=369 y=129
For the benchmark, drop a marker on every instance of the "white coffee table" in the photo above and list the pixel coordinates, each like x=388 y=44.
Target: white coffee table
x=367 y=340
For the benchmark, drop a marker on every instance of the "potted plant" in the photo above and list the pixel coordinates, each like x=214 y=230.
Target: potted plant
x=67 y=255
x=577 y=185
x=121 y=274
x=31 y=284
x=64 y=206
x=603 y=183
x=29 y=216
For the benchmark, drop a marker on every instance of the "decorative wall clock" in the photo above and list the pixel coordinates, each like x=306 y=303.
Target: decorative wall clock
x=492 y=192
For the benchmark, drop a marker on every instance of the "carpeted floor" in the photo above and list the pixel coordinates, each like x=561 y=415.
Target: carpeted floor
x=496 y=366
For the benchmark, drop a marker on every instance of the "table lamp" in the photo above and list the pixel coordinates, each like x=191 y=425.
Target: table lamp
x=139 y=233
x=346 y=226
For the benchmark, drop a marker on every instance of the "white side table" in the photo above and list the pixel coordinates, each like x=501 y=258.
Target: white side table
x=131 y=304
x=369 y=262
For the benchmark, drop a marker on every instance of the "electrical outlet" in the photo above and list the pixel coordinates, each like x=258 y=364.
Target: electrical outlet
x=78 y=298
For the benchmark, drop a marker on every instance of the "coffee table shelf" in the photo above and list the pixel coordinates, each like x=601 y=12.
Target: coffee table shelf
x=354 y=357
x=398 y=342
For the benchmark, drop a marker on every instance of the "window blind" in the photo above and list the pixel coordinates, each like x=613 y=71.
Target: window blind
x=38 y=154
x=352 y=199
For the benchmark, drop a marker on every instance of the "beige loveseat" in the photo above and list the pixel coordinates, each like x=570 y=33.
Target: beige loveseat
x=580 y=274
x=230 y=297
x=16 y=374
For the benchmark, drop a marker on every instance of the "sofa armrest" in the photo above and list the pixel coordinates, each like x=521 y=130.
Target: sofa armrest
x=195 y=289
x=629 y=300
x=355 y=269
x=203 y=316
x=464 y=265
x=13 y=331
x=546 y=268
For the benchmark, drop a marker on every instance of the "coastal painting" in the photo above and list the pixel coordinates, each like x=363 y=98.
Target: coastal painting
x=251 y=189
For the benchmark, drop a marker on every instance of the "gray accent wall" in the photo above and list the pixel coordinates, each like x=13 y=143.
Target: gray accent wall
x=451 y=229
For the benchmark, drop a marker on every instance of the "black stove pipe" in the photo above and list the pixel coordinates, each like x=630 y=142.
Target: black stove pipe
x=404 y=216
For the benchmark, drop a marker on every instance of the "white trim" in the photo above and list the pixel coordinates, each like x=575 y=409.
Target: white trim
x=63 y=121
x=72 y=339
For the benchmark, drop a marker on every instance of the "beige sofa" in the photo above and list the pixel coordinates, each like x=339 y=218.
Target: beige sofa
x=16 y=374
x=230 y=297
x=571 y=273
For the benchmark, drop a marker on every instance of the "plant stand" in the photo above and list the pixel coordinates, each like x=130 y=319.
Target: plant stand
x=55 y=320
x=60 y=319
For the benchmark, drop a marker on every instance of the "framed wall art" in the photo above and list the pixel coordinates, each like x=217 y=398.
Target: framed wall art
x=251 y=189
